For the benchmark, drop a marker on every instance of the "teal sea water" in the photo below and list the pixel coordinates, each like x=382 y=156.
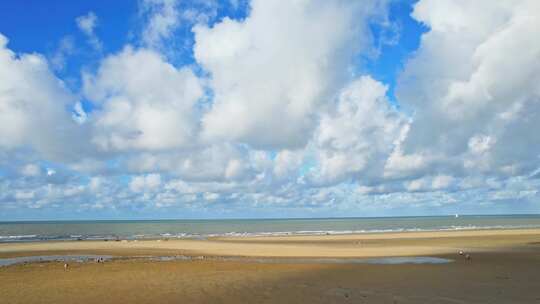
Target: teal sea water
x=143 y=229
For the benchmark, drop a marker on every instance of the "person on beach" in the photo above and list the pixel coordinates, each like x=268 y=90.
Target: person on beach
x=66 y=266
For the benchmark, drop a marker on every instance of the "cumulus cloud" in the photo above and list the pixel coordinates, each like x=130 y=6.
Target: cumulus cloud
x=150 y=106
x=34 y=107
x=473 y=86
x=271 y=72
x=359 y=135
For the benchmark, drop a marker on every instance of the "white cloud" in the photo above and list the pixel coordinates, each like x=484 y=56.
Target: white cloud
x=34 y=107
x=65 y=48
x=415 y=185
x=234 y=169
x=215 y=162
x=202 y=11
x=145 y=182
x=479 y=144
x=441 y=182
x=208 y=196
x=164 y=18
x=87 y=24
x=271 y=72
x=473 y=85
x=31 y=170
x=287 y=163
x=359 y=135
x=150 y=106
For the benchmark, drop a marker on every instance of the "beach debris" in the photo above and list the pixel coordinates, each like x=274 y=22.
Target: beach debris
x=100 y=260
x=461 y=252
x=468 y=256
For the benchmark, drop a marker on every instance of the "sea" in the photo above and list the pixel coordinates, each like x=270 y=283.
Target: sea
x=29 y=231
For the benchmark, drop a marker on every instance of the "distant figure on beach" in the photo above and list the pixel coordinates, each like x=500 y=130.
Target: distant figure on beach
x=66 y=266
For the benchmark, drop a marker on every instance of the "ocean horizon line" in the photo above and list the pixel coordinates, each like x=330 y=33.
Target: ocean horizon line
x=265 y=218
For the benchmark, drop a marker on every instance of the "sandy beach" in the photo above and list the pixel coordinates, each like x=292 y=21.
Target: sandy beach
x=504 y=268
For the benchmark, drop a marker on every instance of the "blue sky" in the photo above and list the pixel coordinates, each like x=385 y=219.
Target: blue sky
x=205 y=108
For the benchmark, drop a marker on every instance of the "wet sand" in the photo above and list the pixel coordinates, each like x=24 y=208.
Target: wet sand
x=504 y=268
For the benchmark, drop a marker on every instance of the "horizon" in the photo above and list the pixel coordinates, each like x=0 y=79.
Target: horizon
x=263 y=218
x=259 y=109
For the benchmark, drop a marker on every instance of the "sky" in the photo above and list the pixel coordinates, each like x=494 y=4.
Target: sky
x=266 y=109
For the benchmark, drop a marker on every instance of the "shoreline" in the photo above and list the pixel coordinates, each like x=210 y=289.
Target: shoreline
x=364 y=245
x=186 y=236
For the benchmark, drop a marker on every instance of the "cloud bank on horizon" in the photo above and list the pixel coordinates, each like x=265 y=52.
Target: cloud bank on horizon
x=273 y=109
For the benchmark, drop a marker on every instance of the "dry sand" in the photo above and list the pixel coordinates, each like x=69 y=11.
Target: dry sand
x=354 y=245
x=505 y=268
